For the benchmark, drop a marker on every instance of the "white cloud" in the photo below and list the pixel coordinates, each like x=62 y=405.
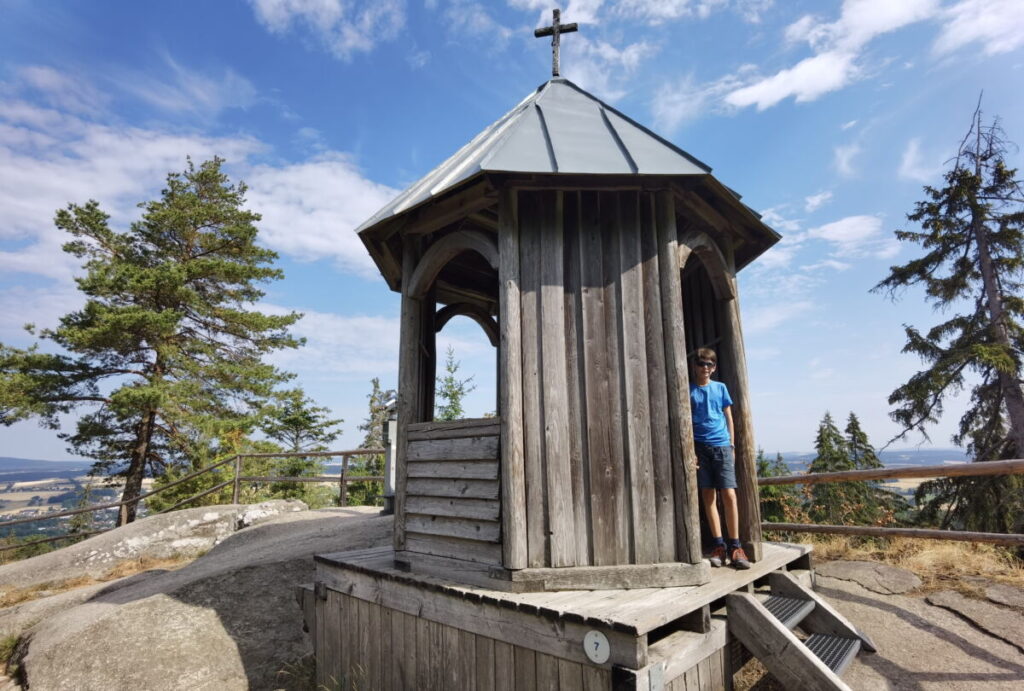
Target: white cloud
x=773 y=315
x=677 y=103
x=311 y=209
x=657 y=11
x=837 y=45
x=816 y=201
x=43 y=307
x=339 y=347
x=852 y=236
x=601 y=68
x=807 y=80
x=343 y=27
x=49 y=158
x=831 y=264
x=847 y=125
x=62 y=90
x=912 y=167
x=190 y=91
x=997 y=25
x=843 y=158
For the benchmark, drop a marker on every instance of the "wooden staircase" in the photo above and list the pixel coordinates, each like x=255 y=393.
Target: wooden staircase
x=765 y=623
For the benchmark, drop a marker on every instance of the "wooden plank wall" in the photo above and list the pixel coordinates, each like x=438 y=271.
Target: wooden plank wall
x=605 y=419
x=369 y=647
x=707 y=675
x=452 y=494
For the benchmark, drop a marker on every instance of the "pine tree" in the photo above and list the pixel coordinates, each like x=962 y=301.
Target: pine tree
x=166 y=349
x=451 y=390
x=373 y=427
x=295 y=422
x=972 y=234
x=875 y=503
x=830 y=502
x=779 y=503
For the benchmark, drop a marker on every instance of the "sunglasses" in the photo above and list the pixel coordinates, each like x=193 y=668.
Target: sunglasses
x=705 y=363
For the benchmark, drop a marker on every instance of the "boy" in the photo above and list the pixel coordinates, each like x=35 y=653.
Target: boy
x=711 y=407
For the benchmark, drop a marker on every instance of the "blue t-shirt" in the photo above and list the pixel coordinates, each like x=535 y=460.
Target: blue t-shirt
x=707 y=403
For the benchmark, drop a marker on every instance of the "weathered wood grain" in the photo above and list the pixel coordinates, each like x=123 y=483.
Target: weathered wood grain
x=597 y=372
x=680 y=422
x=530 y=210
x=510 y=358
x=466 y=449
x=561 y=523
x=484 y=662
x=579 y=470
x=443 y=251
x=454 y=548
x=611 y=269
x=638 y=458
x=454 y=470
x=454 y=429
x=468 y=489
x=504 y=667
x=410 y=364
x=661 y=453
x=746 y=451
x=525 y=669
x=777 y=647
x=483 y=509
x=485 y=531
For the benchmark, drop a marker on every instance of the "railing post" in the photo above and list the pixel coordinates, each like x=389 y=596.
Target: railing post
x=343 y=489
x=236 y=490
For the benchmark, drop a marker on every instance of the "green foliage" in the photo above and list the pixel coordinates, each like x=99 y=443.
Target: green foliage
x=451 y=390
x=779 y=503
x=297 y=424
x=972 y=238
x=371 y=493
x=166 y=354
x=848 y=503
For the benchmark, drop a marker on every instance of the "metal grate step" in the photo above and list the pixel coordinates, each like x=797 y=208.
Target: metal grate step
x=789 y=610
x=835 y=651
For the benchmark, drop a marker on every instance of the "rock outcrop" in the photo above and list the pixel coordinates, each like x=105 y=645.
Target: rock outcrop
x=226 y=621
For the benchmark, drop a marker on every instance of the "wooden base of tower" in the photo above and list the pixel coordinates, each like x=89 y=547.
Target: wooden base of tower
x=378 y=626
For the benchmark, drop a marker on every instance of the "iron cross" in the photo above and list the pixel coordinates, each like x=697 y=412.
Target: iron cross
x=554 y=31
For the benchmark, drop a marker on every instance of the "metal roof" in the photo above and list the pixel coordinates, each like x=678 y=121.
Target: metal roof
x=559 y=128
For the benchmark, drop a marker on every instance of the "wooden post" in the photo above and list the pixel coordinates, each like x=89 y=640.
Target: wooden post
x=410 y=365
x=343 y=482
x=236 y=491
x=746 y=466
x=510 y=409
x=678 y=378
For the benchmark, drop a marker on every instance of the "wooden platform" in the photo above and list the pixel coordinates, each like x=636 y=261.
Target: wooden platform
x=398 y=628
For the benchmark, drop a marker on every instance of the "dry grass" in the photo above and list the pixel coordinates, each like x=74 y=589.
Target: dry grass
x=942 y=565
x=128 y=567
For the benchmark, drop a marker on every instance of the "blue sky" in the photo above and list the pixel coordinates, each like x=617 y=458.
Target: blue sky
x=827 y=117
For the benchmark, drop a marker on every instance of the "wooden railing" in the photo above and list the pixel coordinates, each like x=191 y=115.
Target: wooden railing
x=343 y=479
x=1011 y=467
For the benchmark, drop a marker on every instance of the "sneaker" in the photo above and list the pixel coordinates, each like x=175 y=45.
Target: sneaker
x=738 y=559
x=717 y=557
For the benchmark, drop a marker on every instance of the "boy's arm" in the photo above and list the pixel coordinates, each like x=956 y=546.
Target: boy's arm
x=728 y=423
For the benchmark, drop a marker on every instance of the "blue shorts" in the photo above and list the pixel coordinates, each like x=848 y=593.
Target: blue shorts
x=717 y=467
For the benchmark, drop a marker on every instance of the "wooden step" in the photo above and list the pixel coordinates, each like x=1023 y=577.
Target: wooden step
x=823 y=618
x=789 y=610
x=778 y=649
x=835 y=651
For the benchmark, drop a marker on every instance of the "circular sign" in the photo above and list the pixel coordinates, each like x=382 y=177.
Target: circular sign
x=595 y=645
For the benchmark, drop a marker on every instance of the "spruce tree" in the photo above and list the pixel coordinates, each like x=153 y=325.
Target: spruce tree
x=779 y=503
x=972 y=236
x=373 y=429
x=166 y=351
x=451 y=390
x=830 y=502
x=875 y=503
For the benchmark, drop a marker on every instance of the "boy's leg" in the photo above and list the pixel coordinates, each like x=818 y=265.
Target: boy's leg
x=710 y=499
x=732 y=513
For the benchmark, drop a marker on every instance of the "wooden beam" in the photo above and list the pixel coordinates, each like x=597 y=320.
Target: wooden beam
x=923 y=533
x=446 y=249
x=777 y=647
x=510 y=408
x=1010 y=467
x=437 y=214
x=474 y=312
x=699 y=243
